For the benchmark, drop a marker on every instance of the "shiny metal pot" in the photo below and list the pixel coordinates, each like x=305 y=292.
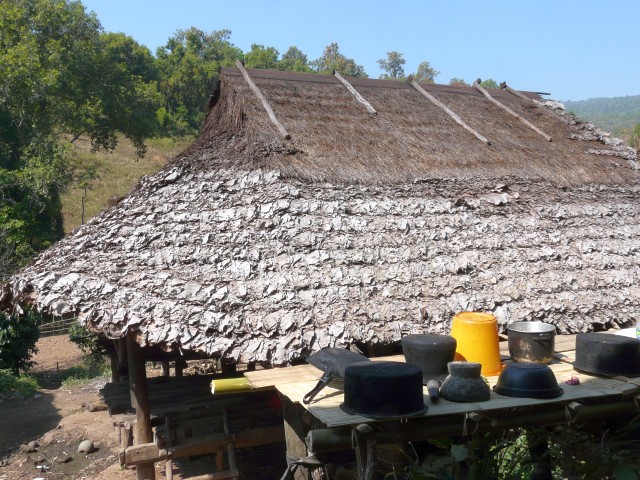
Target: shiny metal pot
x=531 y=341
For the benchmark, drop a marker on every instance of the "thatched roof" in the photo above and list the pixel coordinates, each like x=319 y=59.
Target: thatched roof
x=358 y=229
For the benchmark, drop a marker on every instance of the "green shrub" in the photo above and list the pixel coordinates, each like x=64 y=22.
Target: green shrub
x=11 y=384
x=92 y=367
x=18 y=337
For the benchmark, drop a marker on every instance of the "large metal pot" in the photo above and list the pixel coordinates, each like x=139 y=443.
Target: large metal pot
x=531 y=341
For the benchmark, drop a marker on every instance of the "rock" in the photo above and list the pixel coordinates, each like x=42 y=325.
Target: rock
x=29 y=447
x=38 y=459
x=96 y=407
x=86 y=446
x=47 y=439
x=63 y=457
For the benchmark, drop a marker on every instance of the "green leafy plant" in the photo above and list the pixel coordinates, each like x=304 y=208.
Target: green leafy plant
x=18 y=337
x=89 y=343
x=11 y=384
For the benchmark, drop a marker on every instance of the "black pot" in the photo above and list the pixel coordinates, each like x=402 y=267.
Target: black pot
x=607 y=354
x=383 y=390
x=431 y=353
x=531 y=341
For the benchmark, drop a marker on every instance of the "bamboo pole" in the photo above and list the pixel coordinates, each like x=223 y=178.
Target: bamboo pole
x=263 y=100
x=449 y=112
x=140 y=401
x=511 y=112
x=355 y=93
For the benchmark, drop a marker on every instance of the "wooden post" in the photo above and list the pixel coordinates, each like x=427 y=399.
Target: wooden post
x=181 y=364
x=140 y=401
x=166 y=371
x=294 y=435
x=123 y=362
x=115 y=370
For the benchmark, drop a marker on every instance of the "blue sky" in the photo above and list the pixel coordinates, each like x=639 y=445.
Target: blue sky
x=572 y=49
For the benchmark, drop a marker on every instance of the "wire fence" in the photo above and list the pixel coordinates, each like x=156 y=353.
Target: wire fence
x=57 y=327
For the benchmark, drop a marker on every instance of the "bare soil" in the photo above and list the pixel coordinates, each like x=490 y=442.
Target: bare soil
x=57 y=420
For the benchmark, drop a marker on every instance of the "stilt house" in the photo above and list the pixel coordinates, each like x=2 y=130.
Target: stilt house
x=318 y=211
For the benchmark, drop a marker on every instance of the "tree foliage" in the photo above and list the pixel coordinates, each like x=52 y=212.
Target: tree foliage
x=488 y=83
x=617 y=114
x=458 y=82
x=393 y=66
x=60 y=74
x=332 y=59
x=261 y=57
x=425 y=73
x=188 y=68
x=18 y=337
x=293 y=60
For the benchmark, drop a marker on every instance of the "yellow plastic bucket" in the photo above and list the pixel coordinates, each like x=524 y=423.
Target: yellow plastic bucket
x=477 y=337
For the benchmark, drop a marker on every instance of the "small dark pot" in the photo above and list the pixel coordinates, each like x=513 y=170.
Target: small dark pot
x=531 y=341
x=431 y=353
x=464 y=383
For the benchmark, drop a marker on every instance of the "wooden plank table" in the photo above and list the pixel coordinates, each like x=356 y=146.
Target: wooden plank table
x=595 y=397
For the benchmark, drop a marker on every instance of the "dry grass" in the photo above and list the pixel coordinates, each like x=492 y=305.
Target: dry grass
x=119 y=171
x=334 y=139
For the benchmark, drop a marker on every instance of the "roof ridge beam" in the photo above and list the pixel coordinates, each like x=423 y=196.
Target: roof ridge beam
x=263 y=100
x=355 y=93
x=478 y=87
x=450 y=112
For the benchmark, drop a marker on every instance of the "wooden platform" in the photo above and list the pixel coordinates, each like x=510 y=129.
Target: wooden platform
x=295 y=382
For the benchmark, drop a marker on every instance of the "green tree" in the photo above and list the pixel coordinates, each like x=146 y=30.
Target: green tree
x=458 y=82
x=425 y=73
x=332 y=59
x=393 y=66
x=489 y=83
x=125 y=99
x=58 y=76
x=188 y=70
x=261 y=57
x=294 y=60
x=18 y=337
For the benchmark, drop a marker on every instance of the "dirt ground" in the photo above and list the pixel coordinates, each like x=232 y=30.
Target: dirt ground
x=57 y=420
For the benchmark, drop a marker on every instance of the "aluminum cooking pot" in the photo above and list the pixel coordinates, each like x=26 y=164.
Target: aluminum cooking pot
x=531 y=341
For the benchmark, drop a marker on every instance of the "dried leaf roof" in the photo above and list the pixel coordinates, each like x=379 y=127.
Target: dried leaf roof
x=358 y=229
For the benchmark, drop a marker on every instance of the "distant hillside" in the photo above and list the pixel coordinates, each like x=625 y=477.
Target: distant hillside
x=618 y=115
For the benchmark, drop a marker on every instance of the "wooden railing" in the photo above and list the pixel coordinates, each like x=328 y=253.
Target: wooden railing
x=57 y=327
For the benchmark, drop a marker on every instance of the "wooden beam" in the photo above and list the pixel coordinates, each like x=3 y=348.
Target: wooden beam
x=355 y=93
x=450 y=112
x=506 y=87
x=263 y=100
x=511 y=112
x=150 y=452
x=140 y=401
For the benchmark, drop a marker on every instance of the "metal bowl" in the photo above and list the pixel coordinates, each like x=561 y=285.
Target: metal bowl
x=527 y=380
